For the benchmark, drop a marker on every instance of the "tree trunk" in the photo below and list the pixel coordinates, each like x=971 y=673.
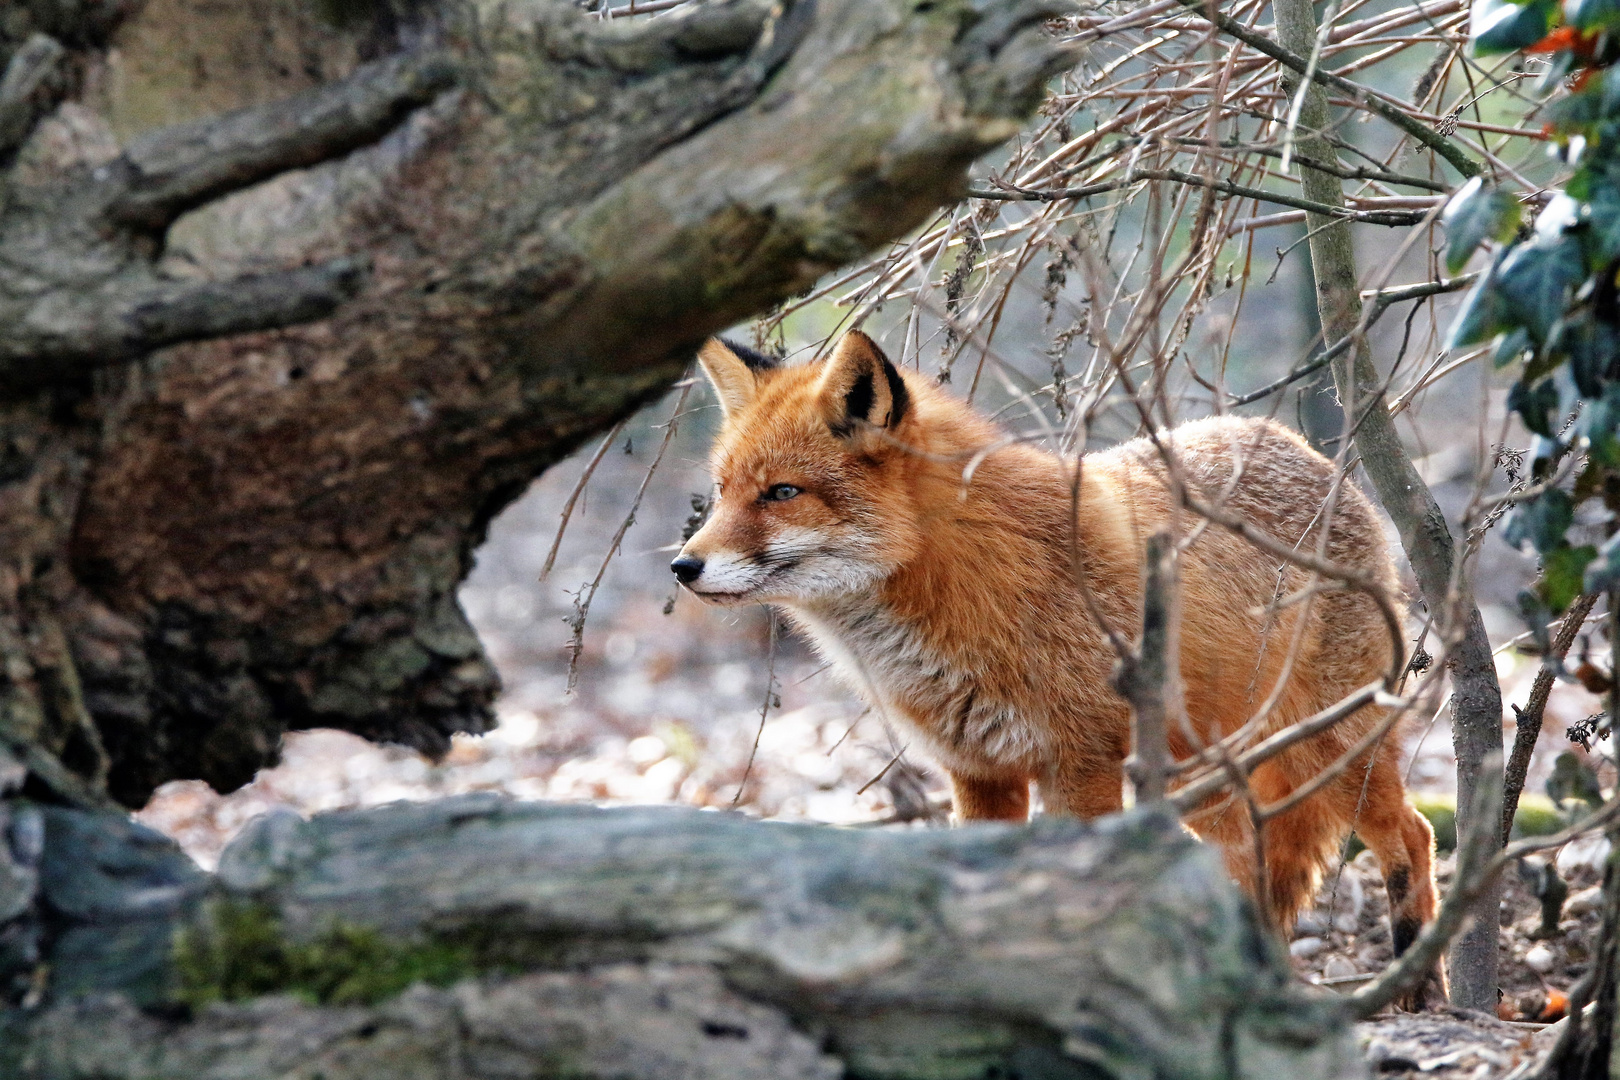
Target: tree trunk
x=382 y=305
x=650 y=943
x=1476 y=703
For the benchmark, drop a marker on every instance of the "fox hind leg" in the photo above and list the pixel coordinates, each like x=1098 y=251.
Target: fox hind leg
x=977 y=798
x=1403 y=841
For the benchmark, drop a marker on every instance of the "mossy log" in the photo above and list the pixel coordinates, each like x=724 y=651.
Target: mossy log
x=479 y=937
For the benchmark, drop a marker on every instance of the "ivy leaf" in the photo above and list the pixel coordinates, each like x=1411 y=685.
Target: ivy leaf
x=1535 y=280
x=1603 y=573
x=1573 y=779
x=1600 y=423
x=1536 y=617
x=1533 y=405
x=1475 y=214
x=1563 y=572
x=1560 y=64
x=1605 y=217
x=1592 y=347
x=1575 y=111
x=1512 y=347
x=1481 y=315
x=1610 y=90
x=1501 y=27
x=1592 y=14
x=1542 y=521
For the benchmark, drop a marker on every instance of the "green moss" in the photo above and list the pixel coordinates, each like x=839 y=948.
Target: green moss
x=1441 y=810
x=1537 y=816
x=237 y=950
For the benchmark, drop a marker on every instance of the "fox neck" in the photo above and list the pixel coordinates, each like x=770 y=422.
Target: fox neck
x=992 y=563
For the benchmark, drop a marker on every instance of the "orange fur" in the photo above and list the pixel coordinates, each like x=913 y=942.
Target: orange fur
x=954 y=606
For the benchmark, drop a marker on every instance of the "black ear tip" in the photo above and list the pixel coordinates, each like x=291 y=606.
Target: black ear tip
x=899 y=396
x=753 y=358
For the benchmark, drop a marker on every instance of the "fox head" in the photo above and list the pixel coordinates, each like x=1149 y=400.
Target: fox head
x=811 y=470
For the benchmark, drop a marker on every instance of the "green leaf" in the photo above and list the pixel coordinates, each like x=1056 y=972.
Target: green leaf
x=1592 y=347
x=1534 y=404
x=1575 y=112
x=1535 y=280
x=1512 y=347
x=1541 y=521
x=1609 y=91
x=1475 y=214
x=1600 y=423
x=1603 y=573
x=1592 y=14
x=1573 y=779
x=1559 y=64
x=1563 y=572
x=1604 y=220
x=1533 y=610
x=1481 y=315
x=1501 y=27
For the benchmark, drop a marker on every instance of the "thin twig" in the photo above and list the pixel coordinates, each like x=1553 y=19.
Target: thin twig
x=587 y=592
x=1528 y=726
x=573 y=496
x=764 y=707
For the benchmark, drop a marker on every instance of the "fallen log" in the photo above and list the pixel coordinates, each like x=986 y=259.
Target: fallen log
x=480 y=937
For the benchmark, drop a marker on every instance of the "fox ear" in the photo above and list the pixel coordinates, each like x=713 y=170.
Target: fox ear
x=734 y=372
x=860 y=385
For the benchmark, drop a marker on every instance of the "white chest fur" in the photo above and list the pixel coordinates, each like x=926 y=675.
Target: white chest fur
x=891 y=663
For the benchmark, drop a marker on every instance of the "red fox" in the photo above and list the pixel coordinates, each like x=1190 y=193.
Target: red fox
x=954 y=606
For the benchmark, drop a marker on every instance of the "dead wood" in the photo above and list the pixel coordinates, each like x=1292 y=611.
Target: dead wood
x=660 y=942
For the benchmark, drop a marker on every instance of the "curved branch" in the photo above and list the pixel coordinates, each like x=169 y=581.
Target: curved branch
x=29 y=67
x=177 y=168
x=1476 y=870
x=1225 y=187
x=64 y=337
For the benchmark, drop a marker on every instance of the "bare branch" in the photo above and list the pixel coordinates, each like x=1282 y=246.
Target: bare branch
x=1149 y=676
x=1382 y=300
x=164 y=174
x=1528 y=728
x=1331 y=570
x=1190 y=795
x=60 y=337
x=1225 y=187
x=29 y=67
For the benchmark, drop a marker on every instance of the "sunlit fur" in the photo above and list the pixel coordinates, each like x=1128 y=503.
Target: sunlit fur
x=954 y=607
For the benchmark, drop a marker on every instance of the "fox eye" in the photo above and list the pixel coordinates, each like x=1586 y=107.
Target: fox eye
x=780 y=492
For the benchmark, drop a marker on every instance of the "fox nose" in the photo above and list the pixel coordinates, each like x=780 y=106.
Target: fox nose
x=687 y=568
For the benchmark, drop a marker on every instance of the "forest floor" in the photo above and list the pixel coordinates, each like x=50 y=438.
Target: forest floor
x=653 y=723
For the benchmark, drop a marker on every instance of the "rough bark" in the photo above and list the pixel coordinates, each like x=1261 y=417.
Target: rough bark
x=456 y=261
x=662 y=942
x=1476 y=703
